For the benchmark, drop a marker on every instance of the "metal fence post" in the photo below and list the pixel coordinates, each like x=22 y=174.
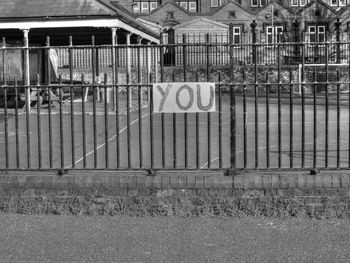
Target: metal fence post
x=337 y=30
x=113 y=51
x=232 y=105
x=253 y=27
x=184 y=41
x=49 y=91
x=128 y=95
x=26 y=80
x=71 y=92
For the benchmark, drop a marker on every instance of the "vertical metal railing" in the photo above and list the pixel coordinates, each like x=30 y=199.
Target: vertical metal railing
x=267 y=113
x=233 y=131
x=281 y=110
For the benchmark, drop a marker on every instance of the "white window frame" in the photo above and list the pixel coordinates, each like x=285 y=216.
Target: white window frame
x=136 y=7
x=215 y=3
x=253 y=4
x=144 y=7
x=258 y=3
x=153 y=5
x=294 y=2
x=273 y=32
x=192 y=7
x=334 y=2
x=298 y=2
x=317 y=31
x=237 y=31
x=338 y=3
x=342 y=2
x=184 y=4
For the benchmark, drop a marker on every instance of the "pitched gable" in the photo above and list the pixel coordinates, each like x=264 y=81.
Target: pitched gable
x=276 y=5
x=232 y=12
x=276 y=10
x=158 y=15
x=316 y=5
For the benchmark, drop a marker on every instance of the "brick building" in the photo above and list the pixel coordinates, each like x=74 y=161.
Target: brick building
x=296 y=20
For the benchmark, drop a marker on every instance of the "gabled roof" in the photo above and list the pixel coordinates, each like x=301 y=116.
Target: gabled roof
x=311 y=3
x=115 y=5
x=52 y=8
x=231 y=2
x=153 y=26
x=276 y=3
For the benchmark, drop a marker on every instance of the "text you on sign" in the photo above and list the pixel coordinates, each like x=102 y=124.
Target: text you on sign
x=180 y=97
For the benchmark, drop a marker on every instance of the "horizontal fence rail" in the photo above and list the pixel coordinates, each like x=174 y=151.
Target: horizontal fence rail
x=278 y=106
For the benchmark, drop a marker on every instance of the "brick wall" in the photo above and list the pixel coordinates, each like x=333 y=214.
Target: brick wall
x=294 y=184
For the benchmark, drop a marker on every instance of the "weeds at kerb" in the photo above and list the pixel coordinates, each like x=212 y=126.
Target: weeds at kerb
x=176 y=205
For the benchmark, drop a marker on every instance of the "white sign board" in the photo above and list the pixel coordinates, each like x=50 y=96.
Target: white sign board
x=181 y=97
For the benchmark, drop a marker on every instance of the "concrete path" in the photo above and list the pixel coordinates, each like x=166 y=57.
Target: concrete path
x=124 y=239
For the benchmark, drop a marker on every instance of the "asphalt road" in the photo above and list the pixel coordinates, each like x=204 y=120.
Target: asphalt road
x=31 y=238
x=207 y=151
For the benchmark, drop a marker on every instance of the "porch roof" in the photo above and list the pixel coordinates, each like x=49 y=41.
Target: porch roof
x=28 y=14
x=56 y=8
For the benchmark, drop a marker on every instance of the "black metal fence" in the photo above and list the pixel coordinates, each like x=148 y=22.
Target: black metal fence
x=275 y=115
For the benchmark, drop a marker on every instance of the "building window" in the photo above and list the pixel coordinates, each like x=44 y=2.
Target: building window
x=258 y=3
x=342 y=2
x=144 y=6
x=215 y=3
x=237 y=36
x=192 y=7
x=273 y=34
x=316 y=34
x=152 y=6
x=189 y=5
x=298 y=2
x=338 y=2
x=184 y=5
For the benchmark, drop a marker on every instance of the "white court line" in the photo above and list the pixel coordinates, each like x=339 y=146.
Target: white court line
x=109 y=140
x=252 y=149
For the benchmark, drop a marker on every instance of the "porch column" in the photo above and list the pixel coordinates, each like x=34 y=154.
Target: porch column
x=26 y=72
x=140 y=59
x=114 y=66
x=148 y=61
x=139 y=64
x=156 y=63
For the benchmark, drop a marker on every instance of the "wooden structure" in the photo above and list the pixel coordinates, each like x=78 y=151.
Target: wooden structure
x=28 y=24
